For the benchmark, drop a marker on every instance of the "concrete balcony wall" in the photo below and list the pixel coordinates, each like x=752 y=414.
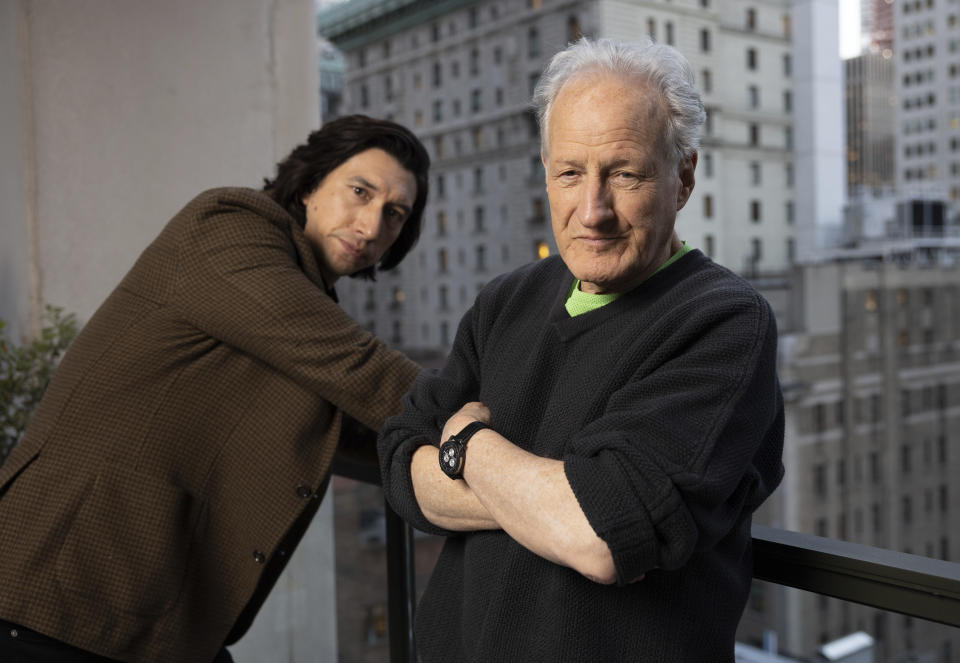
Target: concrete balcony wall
x=114 y=114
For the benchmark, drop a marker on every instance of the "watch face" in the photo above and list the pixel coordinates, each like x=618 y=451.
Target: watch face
x=450 y=458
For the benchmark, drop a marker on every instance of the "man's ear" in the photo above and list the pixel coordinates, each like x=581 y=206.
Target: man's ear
x=685 y=173
x=543 y=162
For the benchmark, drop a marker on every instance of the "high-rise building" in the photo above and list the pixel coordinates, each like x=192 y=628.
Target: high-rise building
x=460 y=73
x=870 y=368
x=927 y=78
x=876 y=25
x=870 y=107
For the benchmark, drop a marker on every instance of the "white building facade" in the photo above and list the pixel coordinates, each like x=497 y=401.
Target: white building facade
x=460 y=73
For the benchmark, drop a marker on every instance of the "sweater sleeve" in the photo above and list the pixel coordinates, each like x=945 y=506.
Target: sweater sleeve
x=426 y=408
x=238 y=279
x=681 y=454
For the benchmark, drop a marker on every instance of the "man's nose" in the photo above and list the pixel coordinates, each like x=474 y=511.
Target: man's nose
x=596 y=205
x=368 y=222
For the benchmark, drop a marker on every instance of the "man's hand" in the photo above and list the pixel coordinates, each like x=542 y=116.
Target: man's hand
x=469 y=413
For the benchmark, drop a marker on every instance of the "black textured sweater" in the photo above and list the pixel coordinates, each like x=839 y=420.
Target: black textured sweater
x=665 y=407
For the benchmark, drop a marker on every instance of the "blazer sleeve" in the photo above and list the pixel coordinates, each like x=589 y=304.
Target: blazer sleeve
x=239 y=279
x=681 y=455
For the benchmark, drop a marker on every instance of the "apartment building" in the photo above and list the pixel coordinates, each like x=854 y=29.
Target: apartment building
x=927 y=77
x=870 y=368
x=460 y=74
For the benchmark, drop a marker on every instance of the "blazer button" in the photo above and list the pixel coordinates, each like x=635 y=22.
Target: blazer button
x=304 y=491
x=259 y=557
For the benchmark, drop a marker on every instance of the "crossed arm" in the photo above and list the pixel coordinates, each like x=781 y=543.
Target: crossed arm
x=506 y=487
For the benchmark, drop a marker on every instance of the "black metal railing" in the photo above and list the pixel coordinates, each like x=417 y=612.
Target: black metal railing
x=886 y=579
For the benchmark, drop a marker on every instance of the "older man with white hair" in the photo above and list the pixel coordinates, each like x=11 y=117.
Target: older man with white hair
x=608 y=419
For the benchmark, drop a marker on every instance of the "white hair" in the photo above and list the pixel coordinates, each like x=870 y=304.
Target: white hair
x=664 y=67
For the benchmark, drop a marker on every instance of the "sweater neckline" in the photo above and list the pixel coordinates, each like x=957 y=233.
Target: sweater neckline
x=643 y=295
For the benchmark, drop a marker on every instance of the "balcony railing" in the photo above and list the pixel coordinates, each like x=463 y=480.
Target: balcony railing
x=885 y=579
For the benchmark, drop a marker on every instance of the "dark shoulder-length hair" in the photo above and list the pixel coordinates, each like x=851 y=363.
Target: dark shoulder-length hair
x=336 y=141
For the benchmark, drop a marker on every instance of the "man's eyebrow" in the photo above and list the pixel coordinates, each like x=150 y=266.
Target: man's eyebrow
x=363 y=182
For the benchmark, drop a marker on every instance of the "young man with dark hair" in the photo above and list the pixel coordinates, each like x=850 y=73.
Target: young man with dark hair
x=185 y=442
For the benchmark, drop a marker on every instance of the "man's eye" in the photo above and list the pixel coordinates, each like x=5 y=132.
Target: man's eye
x=358 y=190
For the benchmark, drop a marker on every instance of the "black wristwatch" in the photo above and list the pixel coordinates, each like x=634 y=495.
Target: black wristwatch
x=453 y=452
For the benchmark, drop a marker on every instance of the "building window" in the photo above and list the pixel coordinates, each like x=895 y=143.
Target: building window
x=442 y=260
x=819 y=418
x=752 y=59
x=704 y=41
x=475 y=100
x=906 y=506
x=906 y=457
x=751 y=19
x=435 y=32
x=441 y=186
x=478 y=180
x=668 y=30
x=820 y=480
x=478 y=219
x=441 y=224
x=574 y=32
x=652 y=29
x=481 y=254
x=438 y=110
x=706 y=81
x=788 y=173
x=541 y=250
x=789 y=212
x=364 y=96
x=437 y=74
x=708 y=246
x=754 y=134
x=787 y=101
x=755 y=173
x=475 y=61
x=787 y=65
x=791 y=250
x=756 y=250
x=753 y=96
x=533 y=42
x=388 y=88
x=707 y=161
x=708 y=206
x=755 y=211
x=874 y=467
x=539 y=211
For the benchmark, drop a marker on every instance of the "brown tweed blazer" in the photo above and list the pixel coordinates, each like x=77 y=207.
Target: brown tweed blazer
x=188 y=427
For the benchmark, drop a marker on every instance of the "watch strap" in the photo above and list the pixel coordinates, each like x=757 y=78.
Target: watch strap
x=469 y=430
